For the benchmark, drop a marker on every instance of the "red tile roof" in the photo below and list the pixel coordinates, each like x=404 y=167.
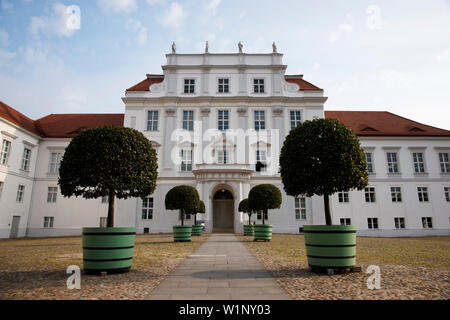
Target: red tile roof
x=17 y=118
x=303 y=84
x=383 y=123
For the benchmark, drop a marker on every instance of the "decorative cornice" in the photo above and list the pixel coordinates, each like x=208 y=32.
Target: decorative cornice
x=242 y=111
x=205 y=111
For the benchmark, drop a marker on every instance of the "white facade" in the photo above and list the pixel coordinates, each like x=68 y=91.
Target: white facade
x=192 y=96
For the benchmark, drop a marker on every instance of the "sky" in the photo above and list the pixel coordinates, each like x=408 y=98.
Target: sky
x=69 y=56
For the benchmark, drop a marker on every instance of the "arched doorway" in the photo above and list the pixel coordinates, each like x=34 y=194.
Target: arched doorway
x=223 y=211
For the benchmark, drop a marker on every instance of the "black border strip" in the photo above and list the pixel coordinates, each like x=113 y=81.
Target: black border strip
x=329 y=231
x=331 y=245
x=343 y=257
x=108 y=233
x=106 y=260
x=107 y=248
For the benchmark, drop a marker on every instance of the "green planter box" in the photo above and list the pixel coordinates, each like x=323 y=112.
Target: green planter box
x=197 y=230
x=182 y=233
x=108 y=249
x=263 y=232
x=330 y=246
x=249 y=230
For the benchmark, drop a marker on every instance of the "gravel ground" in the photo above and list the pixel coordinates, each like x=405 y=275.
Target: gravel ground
x=411 y=268
x=36 y=268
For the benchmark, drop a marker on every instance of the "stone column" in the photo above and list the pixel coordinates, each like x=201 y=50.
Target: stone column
x=243 y=124
x=169 y=127
x=278 y=124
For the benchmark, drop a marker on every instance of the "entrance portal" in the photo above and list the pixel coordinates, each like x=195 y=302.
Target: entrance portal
x=223 y=211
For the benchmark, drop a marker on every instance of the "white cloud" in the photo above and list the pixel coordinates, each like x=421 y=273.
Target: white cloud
x=4 y=38
x=335 y=35
x=444 y=56
x=173 y=17
x=211 y=6
x=5 y=56
x=6 y=4
x=64 y=21
x=118 y=5
x=153 y=2
x=139 y=29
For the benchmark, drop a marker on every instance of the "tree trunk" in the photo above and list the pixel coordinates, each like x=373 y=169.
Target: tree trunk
x=182 y=216
x=249 y=219
x=326 y=201
x=111 y=198
x=195 y=219
x=263 y=216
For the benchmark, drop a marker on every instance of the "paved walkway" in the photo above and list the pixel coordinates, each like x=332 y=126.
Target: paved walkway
x=221 y=269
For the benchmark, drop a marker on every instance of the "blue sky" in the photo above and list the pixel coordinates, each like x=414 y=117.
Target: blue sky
x=367 y=55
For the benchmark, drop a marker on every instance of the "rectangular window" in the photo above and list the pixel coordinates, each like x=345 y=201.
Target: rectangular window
x=147 y=208
x=300 y=208
x=258 y=85
x=4 y=155
x=399 y=223
x=419 y=164
x=152 y=121
x=103 y=222
x=260 y=121
x=55 y=160
x=343 y=197
x=422 y=193
x=52 y=194
x=372 y=223
x=261 y=161
x=369 y=193
x=396 y=194
x=1 y=188
x=48 y=222
x=392 y=162
x=427 y=222
x=259 y=216
x=186 y=160
x=20 y=193
x=188 y=120
x=369 y=162
x=296 y=119
x=223 y=120
x=446 y=193
x=444 y=162
x=26 y=157
x=222 y=157
x=224 y=86
x=346 y=221
x=189 y=85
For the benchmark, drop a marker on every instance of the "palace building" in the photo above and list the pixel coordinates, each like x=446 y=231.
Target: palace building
x=217 y=122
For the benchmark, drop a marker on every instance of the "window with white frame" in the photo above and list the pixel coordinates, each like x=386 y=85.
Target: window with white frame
x=346 y=221
x=186 y=160
x=26 y=158
x=372 y=223
x=258 y=85
x=419 y=164
x=369 y=162
x=1 y=188
x=296 y=118
x=224 y=85
x=444 y=162
x=20 y=193
x=147 y=208
x=261 y=160
x=392 y=162
x=223 y=119
x=369 y=193
x=399 y=223
x=446 y=193
x=189 y=85
x=222 y=157
x=259 y=216
x=343 y=197
x=396 y=194
x=427 y=222
x=187 y=216
x=188 y=120
x=260 y=120
x=6 y=149
x=48 y=222
x=152 y=120
x=422 y=193
x=52 y=193
x=103 y=222
x=55 y=160
x=300 y=208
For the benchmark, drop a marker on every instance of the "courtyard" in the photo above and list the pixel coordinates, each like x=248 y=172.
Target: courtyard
x=411 y=268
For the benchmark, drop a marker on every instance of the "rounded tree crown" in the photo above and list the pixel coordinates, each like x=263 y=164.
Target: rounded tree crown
x=105 y=159
x=182 y=197
x=264 y=197
x=201 y=207
x=320 y=157
x=243 y=206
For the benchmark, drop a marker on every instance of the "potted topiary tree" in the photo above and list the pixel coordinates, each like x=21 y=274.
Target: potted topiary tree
x=197 y=229
x=248 y=228
x=108 y=161
x=186 y=199
x=261 y=198
x=321 y=157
